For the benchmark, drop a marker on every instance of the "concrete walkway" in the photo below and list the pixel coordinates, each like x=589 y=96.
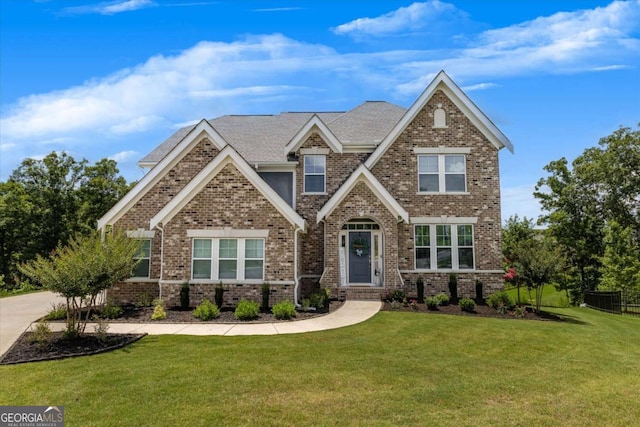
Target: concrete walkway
x=17 y=314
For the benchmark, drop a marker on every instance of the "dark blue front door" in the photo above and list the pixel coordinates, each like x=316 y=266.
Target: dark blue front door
x=359 y=257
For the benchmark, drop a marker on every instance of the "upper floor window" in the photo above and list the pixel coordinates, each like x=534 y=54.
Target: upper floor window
x=442 y=173
x=315 y=174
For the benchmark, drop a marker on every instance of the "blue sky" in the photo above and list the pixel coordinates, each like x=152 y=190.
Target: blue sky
x=114 y=79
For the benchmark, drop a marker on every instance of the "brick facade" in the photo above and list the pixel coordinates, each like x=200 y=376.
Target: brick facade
x=230 y=201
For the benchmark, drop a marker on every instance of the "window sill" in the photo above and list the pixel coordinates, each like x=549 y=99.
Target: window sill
x=141 y=279
x=314 y=194
x=437 y=193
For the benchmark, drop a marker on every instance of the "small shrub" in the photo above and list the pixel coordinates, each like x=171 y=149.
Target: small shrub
x=395 y=305
x=519 y=312
x=101 y=328
x=453 y=287
x=394 y=295
x=501 y=301
x=420 y=289
x=184 y=296
x=284 y=310
x=159 y=312
x=306 y=303
x=58 y=312
x=432 y=303
x=266 y=293
x=443 y=299
x=219 y=295
x=41 y=335
x=111 y=311
x=246 y=310
x=144 y=300
x=318 y=299
x=468 y=305
x=206 y=310
x=479 y=291
x=413 y=303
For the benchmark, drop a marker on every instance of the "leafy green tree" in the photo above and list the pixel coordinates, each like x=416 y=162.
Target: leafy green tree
x=83 y=269
x=515 y=233
x=621 y=261
x=48 y=201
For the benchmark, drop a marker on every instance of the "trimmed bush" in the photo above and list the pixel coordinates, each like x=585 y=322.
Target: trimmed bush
x=246 y=310
x=501 y=301
x=158 y=311
x=266 y=293
x=219 y=295
x=432 y=303
x=184 y=296
x=58 y=312
x=453 y=287
x=284 y=310
x=206 y=310
x=111 y=311
x=468 y=305
x=420 y=289
x=443 y=299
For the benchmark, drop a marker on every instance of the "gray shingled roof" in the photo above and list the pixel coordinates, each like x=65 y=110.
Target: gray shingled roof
x=263 y=138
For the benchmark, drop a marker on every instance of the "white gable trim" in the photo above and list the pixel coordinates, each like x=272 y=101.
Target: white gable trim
x=362 y=174
x=227 y=156
x=198 y=133
x=314 y=124
x=443 y=82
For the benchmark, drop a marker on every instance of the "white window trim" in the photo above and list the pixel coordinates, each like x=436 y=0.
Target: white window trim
x=434 y=248
x=442 y=174
x=240 y=259
x=141 y=233
x=304 y=174
x=227 y=232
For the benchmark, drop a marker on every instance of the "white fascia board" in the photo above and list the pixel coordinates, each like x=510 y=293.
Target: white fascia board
x=314 y=124
x=441 y=150
x=276 y=166
x=463 y=102
x=141 y=233
x=228 y=232
x=362 y=174
x=200 y=131
x=227 y=156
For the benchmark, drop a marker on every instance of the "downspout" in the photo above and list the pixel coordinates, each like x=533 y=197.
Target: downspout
x=161 y=262
x=295 y=267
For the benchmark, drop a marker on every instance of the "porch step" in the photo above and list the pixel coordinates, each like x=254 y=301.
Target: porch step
x=363 y=293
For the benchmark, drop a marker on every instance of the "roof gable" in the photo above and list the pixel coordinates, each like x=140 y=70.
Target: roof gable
x=315 y=124
x=202 y=130
x=227 y=156
x=443 y=82
x=362 y=174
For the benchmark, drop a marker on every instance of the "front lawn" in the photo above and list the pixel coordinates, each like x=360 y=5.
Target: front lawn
x=395 y=369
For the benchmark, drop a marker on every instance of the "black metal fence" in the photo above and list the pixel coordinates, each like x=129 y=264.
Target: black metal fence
x=616 y=302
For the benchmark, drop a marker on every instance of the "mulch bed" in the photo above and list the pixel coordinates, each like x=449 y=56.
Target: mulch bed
x=480 y=311
x=23 y=350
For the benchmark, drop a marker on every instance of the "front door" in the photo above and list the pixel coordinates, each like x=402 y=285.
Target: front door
x=359 y=257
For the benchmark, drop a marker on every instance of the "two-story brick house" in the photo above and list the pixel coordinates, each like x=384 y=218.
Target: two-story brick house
x=360 y=202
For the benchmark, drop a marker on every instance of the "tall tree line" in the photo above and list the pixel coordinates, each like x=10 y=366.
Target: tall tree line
x=46 y=202
x=592 y=213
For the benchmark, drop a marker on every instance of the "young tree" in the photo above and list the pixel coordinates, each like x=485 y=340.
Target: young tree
x=515 y=233
x=83 y=269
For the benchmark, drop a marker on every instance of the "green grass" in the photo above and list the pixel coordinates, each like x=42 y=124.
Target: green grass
x=395 y=369
x=550 y=296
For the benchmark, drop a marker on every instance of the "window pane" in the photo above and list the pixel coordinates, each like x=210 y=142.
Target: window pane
x=145 y=250
x=454 y=183
x=253 y=269
x=465 y=235
x=314 y=164
x=428 y=164
x=429 y=183
x=443 y=235
x=228 y=269
x=454 y=164
x=465 y=258
x=423 y=258
x=422 y=235
x=202 y=248
x=444 y=258
x=201 y=269
x=228 y=248
x=314 y=183
x=142 y=269
x=253 y=248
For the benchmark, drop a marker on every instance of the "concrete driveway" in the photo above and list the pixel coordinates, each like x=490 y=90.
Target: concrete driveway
x=17 y=313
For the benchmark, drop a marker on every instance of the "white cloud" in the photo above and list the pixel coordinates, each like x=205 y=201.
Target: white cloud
x=124 y=156
x=480 y=86
x=109 y=8
x=519 y=201
x=7 y=146
x=414 y=17
x=278 y=9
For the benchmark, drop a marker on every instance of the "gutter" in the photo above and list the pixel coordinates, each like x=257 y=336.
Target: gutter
x=161 y=262
x=295 y=267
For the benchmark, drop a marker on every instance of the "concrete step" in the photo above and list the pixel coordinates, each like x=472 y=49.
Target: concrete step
x=363 y=293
